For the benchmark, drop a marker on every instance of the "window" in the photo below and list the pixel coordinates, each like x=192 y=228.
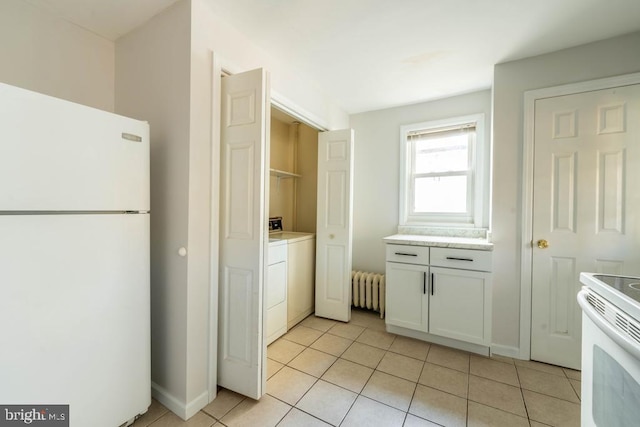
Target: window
x=443 y=173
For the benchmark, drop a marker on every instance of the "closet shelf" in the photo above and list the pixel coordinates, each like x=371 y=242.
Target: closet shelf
x=282 y=174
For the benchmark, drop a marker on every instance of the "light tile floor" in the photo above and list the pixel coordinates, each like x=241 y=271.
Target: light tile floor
x=324 y=373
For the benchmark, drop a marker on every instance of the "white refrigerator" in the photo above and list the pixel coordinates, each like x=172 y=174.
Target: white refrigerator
x=74 y=259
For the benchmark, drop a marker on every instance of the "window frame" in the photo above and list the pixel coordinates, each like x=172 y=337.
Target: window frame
x=476 y=191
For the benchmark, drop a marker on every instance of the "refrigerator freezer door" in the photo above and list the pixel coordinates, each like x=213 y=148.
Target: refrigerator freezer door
x=56 y=155
x=74 y=314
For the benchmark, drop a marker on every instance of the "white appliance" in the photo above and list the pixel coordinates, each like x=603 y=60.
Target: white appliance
x=610 y=350
x=74 y=259
x=276 y=290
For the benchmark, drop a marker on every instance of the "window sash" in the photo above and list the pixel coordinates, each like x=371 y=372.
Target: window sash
x=476 y=169
x=436 y=134
x=468 y=214
x=425 y=135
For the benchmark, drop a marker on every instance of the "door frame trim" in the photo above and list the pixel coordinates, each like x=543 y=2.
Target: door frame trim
x=526 y=242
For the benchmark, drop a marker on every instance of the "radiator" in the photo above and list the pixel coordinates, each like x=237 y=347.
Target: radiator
x=368 y=291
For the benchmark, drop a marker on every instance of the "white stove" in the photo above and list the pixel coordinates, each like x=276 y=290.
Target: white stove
x=610 y=350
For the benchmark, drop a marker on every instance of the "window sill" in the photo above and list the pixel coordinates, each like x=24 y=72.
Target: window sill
x=440 y=241
x=423 y=230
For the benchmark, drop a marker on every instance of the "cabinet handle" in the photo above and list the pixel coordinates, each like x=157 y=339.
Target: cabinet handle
x=433 y=284
x=424 y=283
x=405 y=254
x=459 y=259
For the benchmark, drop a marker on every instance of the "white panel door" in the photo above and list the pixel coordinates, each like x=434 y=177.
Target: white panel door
x=244 y=168
x=334 y=224
x=75 y=314
x=586 y=199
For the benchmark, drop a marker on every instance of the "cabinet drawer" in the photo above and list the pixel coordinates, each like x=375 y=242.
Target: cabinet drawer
x=408 y=254
x=277 y=253
x=464 y=259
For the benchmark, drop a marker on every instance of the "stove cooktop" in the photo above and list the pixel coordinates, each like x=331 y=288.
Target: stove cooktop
x=630 y=286
x=622 y=291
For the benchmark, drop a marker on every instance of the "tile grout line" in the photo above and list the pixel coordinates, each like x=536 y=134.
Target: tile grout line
x=305 y=393
x=320 y=378
x=415 y=389
x=546 y=394
x=385 y=352
x=374 y=369
x=468 y=386
x=524 y=401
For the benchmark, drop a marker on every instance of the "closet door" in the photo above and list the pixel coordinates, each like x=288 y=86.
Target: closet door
x=244 y=172
x=334 y=224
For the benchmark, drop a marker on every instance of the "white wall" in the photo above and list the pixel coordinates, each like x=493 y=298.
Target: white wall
x=294 y=199
x=211 y=36
x=377 y=168
x=46 y=54
x=241 y=54
x=307 y=184
x=620 y=55
x=153 y=84
x=164 y=75
x=281 y=191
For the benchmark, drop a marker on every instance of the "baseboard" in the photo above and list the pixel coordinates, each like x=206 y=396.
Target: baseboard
x=448 y=342
x=505 y=350
x=299 y=318
x=184 y=411
x=198 y=403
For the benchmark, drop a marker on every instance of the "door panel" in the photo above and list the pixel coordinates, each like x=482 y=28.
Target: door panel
x=334 y=225
x=406 y=296
x=244 y=160
x=458 y=304
x=586 y=193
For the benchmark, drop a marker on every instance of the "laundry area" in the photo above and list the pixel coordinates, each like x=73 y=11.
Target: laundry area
x=290 y=284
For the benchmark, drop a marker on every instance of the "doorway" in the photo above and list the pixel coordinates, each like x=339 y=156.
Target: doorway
x=244 y=130
x=290 y=284
x=581 y=193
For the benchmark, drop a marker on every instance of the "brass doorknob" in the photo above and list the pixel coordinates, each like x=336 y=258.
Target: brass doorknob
x=543 y=244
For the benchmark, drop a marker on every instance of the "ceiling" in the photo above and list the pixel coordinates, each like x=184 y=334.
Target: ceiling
x=374 y=54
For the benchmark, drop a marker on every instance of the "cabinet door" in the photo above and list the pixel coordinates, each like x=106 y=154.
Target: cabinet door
x=301 y=268
x=460 y=305
x=406 y=295
x=276 y=301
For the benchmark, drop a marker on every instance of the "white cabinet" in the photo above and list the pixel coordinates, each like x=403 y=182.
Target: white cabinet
x=406 y=296
x=276 y=291
x=439 y=292
x=300 y=279
x=459 y=305
x=463 y=259
x=290 y=281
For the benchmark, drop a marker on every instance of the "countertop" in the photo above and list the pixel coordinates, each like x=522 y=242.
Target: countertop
x=289 y=236
x=440 y=241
